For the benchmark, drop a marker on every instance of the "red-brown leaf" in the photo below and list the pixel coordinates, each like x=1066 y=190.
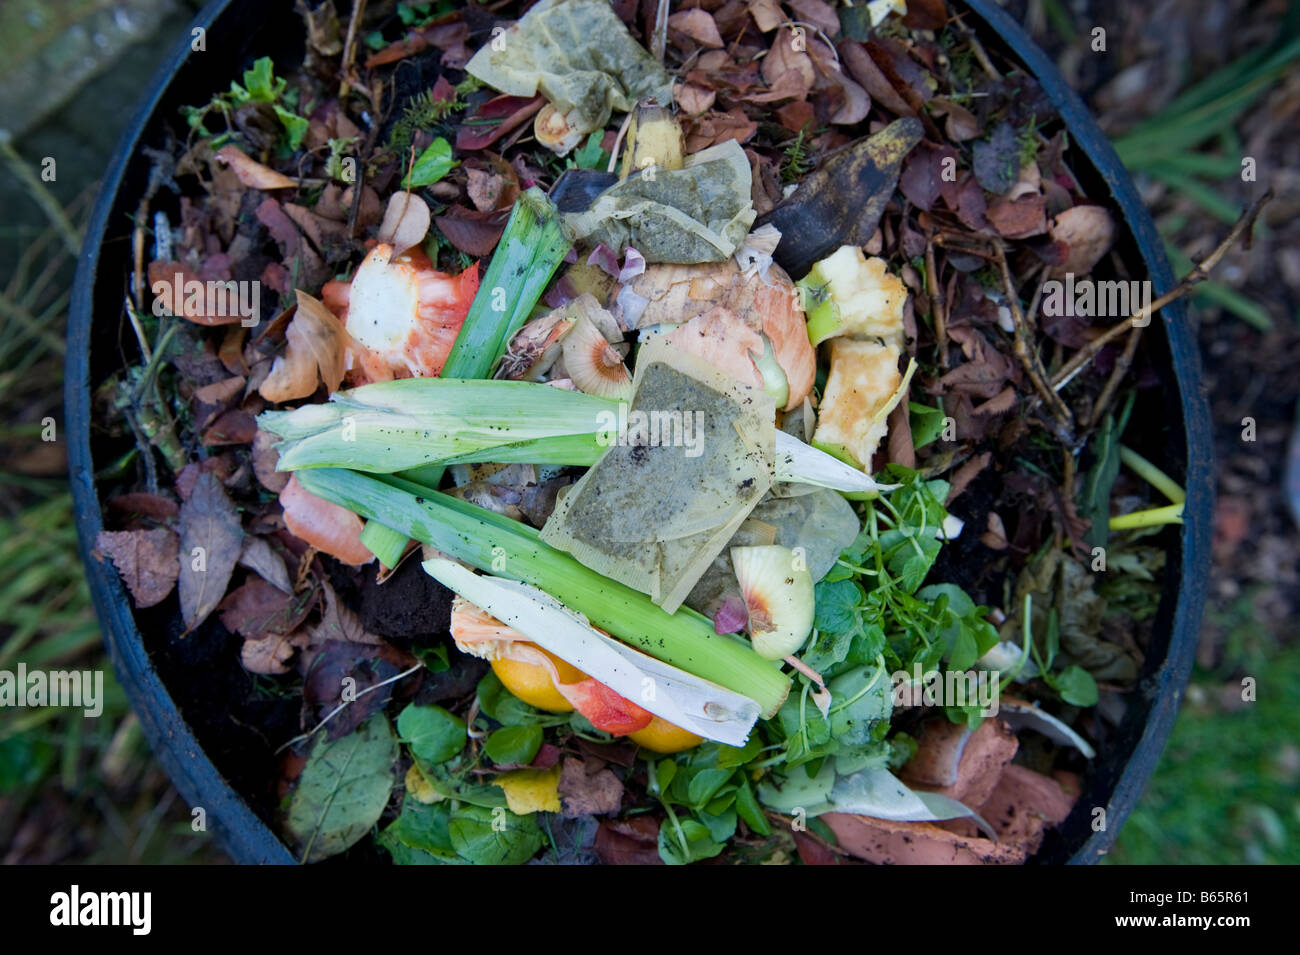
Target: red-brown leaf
x=147 y=561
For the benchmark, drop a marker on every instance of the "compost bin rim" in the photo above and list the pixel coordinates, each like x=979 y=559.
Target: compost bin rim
x=244 y=834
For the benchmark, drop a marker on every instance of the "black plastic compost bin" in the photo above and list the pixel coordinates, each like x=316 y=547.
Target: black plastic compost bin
x=234 y=33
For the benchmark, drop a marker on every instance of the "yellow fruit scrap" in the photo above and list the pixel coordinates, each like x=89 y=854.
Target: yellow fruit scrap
x=863 y=378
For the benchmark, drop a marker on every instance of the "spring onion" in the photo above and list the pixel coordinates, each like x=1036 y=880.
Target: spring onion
x=507 y=548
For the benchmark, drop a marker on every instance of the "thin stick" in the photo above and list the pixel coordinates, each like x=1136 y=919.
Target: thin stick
x=343 y=706
x=937 y=308
x=1189 y=281
x=618 y=141
x=1025 y=352
x=1116 y=376
x=350 y=47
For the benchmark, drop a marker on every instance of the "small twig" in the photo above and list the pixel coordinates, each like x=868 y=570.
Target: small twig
x=1189 y=281
x=1025 y=351
x=350 y=47
x=137 y=251
x=937 y=308
x=1117 y=374
x=618 y=142
x=343 y=706
x=141 y=339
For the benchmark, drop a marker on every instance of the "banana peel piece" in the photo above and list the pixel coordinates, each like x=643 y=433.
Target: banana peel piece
x=842 y=201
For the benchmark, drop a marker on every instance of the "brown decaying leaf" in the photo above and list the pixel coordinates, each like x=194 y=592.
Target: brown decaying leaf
x=270 y=654
x=185 y=294
x=258 y=609
x=230 y=427
x=147 y=561
x=259 y=557
x=588 y=788
x=1088 y=231
x=1018 y=218
x=694 y=99
x=316 y=351
x=265 y=458
x=406 y=222
x=251 y=172
x=697 y=25
x=144 y=504
x=787 y=66
x=714 y=127
x=211 y=541
x=767 y=14
x=495 y=118
x=491 y=183
x=339 y=623
x=633 y=841
x=863 y=68
x=472 y=232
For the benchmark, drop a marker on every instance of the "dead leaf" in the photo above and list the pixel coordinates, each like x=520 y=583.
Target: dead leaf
x=259 y=557
x=767 y=14
x=787 y=65
x=491 y=183
x=258 y=608
x=251 y=172
x=316 y=351
x=406 y=222
x=1089 y=232
x=146 y=560
x=966 y=473
x=337 y=622
x=144 y=504
x=1018 y=218
x=472 y=232
x=633 y=841
x=265 y=458
x=494 y=119
x=270 y=655
x=210 y=544
x=589 y=788
x=220 y=392
x=714 y=127
x=530 y=790
x=819 y=13
x=694 y=99
x=698 y=25
x=184 y=294
x=230 y=427
x=863 y=68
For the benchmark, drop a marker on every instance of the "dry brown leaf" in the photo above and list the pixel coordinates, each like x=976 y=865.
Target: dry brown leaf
x=588 y=788
x=406 y=222
x=1089 y=232
x=259 y=557
x=211 y=541
x=694 y=99
x=147 y=561
x=251 y=172
x=316 y=351
x=265 y=458
x=767 y=14
x=698 y=25
x=787 y=64
x=270 y=655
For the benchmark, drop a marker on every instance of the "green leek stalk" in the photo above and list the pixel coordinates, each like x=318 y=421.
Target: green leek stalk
x=504 y=547
x=531 y=248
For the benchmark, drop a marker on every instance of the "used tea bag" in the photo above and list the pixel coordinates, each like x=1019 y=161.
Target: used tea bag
x=694 y=459
x=580 y=56
x=699 y=213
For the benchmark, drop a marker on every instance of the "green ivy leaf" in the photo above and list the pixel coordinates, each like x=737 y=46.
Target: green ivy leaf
x=1076 y=686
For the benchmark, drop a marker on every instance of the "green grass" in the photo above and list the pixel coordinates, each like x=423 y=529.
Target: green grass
x=1227 y=790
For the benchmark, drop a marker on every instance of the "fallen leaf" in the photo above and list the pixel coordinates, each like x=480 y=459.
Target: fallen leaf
x=230 y=427
x=251 y=172
x=1018 y=218
x=767 y=14
x=788 y=64
x=342 y=791
x=1089 y=232
x=339 y=623
x=632 y=841
x=257 y=609
x=530 y=790
x=144 y=504
x=817 y=12
x=210 y=544
x=589 y=788
x=714 y=127
x=259 y=557
x=996 y=160
x=270 y=654
x=182 y=293
x=472 y=232
x=316 y=351
x=265 y=458
x=694 y=99
x=863 y=68
x=406 y=222
x=698 y=25
x=146 y=560
x=494 y=119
